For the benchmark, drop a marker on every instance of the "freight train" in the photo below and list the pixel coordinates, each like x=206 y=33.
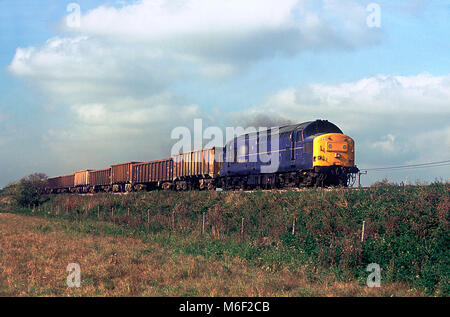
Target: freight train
x=314 y=153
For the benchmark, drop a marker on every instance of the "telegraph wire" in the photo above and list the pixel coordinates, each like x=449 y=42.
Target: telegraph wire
x=412 y=166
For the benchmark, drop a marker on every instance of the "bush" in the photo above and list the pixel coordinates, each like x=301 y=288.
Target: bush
x=29 y=191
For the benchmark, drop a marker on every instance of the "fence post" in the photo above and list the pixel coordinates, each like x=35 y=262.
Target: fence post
x=359 y=177
x=203 y=223
x=242 y=228
x=362 y=231
x=293 y=225
x=173 y=220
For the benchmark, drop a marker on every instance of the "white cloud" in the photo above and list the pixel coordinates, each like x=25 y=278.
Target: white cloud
x=134 y=112
x=81 y=69
x=153 y=19
x=233 y=31
x=387 y=144
x=167 y=20
x=396 y=95
x=153 y=43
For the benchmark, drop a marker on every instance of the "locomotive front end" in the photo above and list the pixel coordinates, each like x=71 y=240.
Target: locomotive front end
x=334 y=156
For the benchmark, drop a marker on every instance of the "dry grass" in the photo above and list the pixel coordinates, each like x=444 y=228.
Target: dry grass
x=35 y=252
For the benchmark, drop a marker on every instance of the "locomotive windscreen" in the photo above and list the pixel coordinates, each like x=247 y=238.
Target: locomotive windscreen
x=320 y=127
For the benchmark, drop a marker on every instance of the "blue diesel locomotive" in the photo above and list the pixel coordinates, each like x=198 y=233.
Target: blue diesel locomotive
x=314 y=153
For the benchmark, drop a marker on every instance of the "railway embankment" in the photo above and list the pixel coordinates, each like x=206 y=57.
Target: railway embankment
x=402 y=229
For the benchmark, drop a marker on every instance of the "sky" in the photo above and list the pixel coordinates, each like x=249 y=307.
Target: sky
x=111 y=85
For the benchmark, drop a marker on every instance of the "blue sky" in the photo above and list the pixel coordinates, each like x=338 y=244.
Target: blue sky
x=113 y=89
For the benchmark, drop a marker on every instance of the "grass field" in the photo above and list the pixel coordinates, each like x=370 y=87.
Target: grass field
x=35 y=253
x=306 y=243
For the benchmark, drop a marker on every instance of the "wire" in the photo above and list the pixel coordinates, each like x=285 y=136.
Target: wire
x=412 y=166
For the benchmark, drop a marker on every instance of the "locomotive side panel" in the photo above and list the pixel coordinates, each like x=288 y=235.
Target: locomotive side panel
x=285 y=151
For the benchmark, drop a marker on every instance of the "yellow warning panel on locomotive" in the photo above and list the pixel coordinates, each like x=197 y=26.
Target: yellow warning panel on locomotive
x=333 y=149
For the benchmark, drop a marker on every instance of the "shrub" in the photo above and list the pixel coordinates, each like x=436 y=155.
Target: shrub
x=29 y=191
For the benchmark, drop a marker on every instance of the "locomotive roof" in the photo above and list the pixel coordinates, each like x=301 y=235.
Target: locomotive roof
x=294 y=127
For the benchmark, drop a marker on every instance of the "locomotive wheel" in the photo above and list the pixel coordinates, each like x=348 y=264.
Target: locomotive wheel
x=351 y=179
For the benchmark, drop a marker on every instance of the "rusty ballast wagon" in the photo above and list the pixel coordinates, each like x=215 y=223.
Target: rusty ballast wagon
x=61 y=184
x=152 y=175
x=82 y=181
x=100 y=180
x=122 y=176
x=197 y=169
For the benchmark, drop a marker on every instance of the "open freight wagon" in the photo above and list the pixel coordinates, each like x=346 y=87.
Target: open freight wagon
x=197 y=169
x=61 y=184
x=152 y=175
x=100 y=180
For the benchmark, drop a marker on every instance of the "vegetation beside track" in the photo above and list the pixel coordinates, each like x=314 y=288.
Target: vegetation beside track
x=313 y=233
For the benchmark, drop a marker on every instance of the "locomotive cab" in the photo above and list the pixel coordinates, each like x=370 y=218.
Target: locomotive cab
x=333 y=149
x=332 y=152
